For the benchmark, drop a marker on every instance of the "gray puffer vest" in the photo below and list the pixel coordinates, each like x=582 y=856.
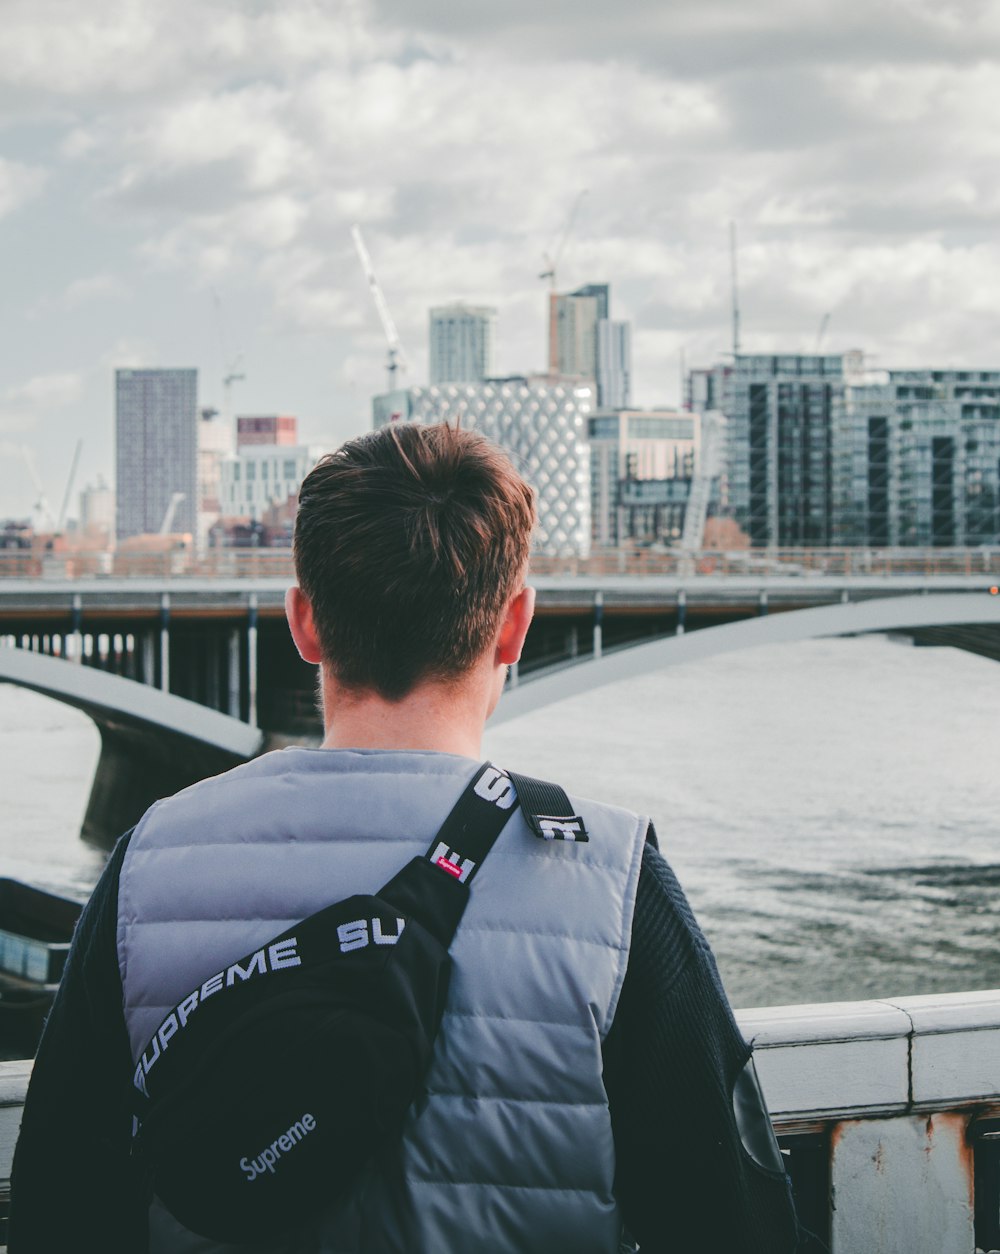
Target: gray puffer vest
x=511 y=1147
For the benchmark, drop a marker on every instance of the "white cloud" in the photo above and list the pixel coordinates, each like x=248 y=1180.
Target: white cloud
x=47 y=391
x=18 y=184
x=215 y=141
x=78 y=294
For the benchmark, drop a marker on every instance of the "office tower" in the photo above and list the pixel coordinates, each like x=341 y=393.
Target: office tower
x=614 y=364
x=926 y=459
x=461 y=343
x=267 y=429
x=542 y=425
x=589 y=345
x=641 y=467
x=156 y=460
x=788 y=444
x=577 y=316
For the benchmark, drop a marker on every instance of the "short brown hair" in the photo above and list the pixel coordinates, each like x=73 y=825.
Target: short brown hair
x=409 y=544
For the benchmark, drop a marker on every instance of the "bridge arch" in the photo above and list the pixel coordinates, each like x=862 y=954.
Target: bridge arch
x=152 y=743
x=848 y=619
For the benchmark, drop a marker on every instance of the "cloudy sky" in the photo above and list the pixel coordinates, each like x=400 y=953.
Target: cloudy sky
x=177 y=184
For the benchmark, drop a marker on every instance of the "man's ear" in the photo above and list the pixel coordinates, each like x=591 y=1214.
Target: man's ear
x=299 y=613
x=516 y=622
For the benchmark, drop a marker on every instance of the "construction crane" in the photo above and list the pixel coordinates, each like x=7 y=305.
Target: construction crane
x=233 y=375
x=41 y=506
x=395 y=357
x=735 y=285
x=551 y=260
x=233 y=372
x=822 y=330
x=708 y=469
x=61 y=521
x=168 y=517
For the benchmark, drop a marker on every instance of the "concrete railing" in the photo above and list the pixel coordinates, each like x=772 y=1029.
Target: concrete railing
x=901 y=1097
x=903 y=1092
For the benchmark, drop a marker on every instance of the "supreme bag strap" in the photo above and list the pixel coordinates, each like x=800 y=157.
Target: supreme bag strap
x=547 y=810
x=476 y=820
x=435 y=888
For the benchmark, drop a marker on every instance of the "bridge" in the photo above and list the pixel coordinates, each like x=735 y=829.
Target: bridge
x=158 y=735
x=954 y=617
x=224 y=643
x=152 y=743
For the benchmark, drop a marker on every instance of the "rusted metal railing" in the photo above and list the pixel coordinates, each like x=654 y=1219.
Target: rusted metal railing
x=277 y=563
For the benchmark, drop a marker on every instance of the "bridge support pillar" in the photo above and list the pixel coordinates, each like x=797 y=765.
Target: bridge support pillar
x=573 y=641
x=147 y=660
x=165 y=642
x=233 y=708
x=137 y=767
x=598 y=623
x=762 y=602
x=252 y=660
x=77 y=621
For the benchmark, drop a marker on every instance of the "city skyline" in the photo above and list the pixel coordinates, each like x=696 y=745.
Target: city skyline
x=183 y=189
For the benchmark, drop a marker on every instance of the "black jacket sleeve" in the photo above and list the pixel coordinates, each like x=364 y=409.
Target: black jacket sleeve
x=685 y=1181
x=73 y=1180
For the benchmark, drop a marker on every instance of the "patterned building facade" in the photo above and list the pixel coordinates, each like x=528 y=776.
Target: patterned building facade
x=543 y=428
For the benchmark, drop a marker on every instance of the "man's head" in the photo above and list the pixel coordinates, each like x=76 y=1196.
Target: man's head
x=410 y=542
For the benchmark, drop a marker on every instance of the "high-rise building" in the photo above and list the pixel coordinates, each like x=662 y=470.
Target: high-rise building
x=641 y=466
x=821 y=452
x=577 y=316
x=589 y=345
x=542 y=425
x=788 y=444
x=614 y=364
x=461 y=343
x=156 y=460
x=926 y=459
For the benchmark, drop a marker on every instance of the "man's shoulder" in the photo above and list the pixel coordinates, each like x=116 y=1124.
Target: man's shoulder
x=301 y=784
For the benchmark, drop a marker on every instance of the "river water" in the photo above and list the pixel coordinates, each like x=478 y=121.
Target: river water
x=831 y=807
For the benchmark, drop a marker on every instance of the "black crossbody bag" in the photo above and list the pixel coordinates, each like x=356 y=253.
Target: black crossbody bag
x=269 y=1089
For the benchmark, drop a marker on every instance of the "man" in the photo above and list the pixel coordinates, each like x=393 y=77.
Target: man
x=588 y=1077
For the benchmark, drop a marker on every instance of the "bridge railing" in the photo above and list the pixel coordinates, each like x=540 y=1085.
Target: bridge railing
x=889 y=1112
x=277 y=563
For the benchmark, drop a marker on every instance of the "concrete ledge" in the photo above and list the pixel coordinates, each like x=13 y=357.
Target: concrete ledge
x=831 y=1059
x=841 y=1060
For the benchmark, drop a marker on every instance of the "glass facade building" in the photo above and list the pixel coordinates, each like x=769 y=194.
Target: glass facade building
x=822 y=453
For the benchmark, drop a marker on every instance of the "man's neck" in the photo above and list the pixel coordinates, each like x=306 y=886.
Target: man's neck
x=435 y=716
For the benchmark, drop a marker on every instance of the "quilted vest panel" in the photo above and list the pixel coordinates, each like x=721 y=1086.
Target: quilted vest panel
x=511 y=1146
